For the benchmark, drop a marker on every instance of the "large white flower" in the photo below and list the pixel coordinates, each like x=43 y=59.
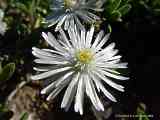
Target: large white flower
x=66 y=13
x=3 y=25
x=80 y=63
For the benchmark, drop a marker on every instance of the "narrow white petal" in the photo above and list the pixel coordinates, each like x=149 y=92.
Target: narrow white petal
x=83 y=38
x=119 y=77
x=98 y=38
x=78 y=107
x=63 y=80
x=77 y=36
x=93 y=15
x=72 y=37
x=41 y=53
x=102 y=88
x=40 y=69
x=66 y=24
x=96 y=97
x=93 y=95
x=69 y=90
x=111 y=71
x=110 y=47
x=65 y=38
x=107 y=65
x=55 y=92
x=54 y=51
x=49 y=73
x=89 y=37
x=54 y=43
x=60 y=23
x=48 y=88
x=109 y=82
x=102 y=42
x=79 y=24
x=95 y=79
x=50 y=61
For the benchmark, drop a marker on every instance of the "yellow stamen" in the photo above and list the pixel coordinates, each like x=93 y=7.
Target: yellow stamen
x=85 y=56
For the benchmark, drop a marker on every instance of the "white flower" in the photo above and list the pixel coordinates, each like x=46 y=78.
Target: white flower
x=66 y=13
x=80 y=63
x=3 y=25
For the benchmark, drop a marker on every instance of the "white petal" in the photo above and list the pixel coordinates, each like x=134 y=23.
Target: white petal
x=79 y=24
x=69 y=90
x=65 y=38
x=41 y=53
x=101 y=87
x=55 y=52
x=49 y=73
x=102 y=42
x=63 y=79
x=48 y=88
x=119 y=65
x=61 y=21
x=66 y=24
x=79 y=96
x=72 y=37
x=55 y=92
x=119 y=77
x=92 y=94
x=54 y=43
x=40 y=69
x=50 y=61
x=111 y=70
x=93 y=15
x=96 y=96
x=109 y=82
x=83 y=38
x=98 y=38
x=89 y=37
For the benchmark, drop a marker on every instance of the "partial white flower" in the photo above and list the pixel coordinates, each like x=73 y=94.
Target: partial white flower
x=3 y=25
x=80 y=63
x=66 y=13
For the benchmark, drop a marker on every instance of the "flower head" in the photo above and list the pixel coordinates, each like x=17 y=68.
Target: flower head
x=3 y=25
x=80 y=63
x=66 y=13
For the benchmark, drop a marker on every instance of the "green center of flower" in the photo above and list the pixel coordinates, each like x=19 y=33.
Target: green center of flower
x=69 y=3
x=84 y=56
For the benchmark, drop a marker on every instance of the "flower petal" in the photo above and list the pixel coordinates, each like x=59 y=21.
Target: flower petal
x=49 y=73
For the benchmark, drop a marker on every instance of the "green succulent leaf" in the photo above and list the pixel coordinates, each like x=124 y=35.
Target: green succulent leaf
x=109 y=28
x=0 y=67
x=3 y=108
x=111 y=7
x=116 y=16
x=7 y=72
x=24 y=116
x=125 y=9
x=141 y=112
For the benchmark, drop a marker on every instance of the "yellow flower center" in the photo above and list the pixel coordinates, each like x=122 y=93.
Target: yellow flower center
x=69 y=3
x=84 y=56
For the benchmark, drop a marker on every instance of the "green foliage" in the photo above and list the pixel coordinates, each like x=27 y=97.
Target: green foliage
x=6 y=72
x=3 y=108
x=29 y=14
x=116 y=9
x=5 y=114
x=141 y=112
x=24 y=116
x=151 y=5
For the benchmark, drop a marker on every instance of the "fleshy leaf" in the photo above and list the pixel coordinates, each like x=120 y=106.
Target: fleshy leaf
x=7 y=72
x=124 y=9
x=116 y=16
x=24 y=116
